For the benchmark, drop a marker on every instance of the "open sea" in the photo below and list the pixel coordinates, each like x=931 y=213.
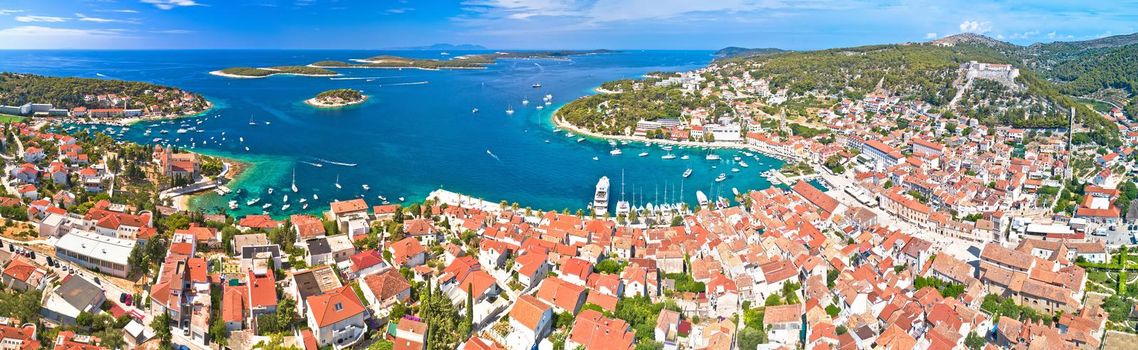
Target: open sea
x=416 y=132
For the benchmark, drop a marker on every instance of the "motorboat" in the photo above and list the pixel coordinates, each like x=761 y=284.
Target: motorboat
x=687 y=173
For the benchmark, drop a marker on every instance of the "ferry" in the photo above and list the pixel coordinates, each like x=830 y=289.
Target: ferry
x=643 y=154
x=721 y=177
x=687 y=173
x=712 y=156
x=601 y=196
x=668 y=156
x=615 y=152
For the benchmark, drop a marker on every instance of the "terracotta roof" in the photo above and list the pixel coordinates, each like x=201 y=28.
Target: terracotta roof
x=528 y=311
x=335 y=306
x=387 y=285
x=262 y=290
x=593 y=330
x=564 y=295
x=307 y=226
x=348 y=206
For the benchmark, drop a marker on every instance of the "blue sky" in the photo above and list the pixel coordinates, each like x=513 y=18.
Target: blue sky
x=537 y=24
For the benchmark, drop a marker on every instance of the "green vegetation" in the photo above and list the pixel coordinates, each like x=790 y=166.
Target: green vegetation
x=617 y=113
x=946 y=289
x=641 y=313
x=8 y=118
x=684 y=283
x=997 y=306
x=339 y=97
x=264 y=72
x=611 y=266
x=18 y=89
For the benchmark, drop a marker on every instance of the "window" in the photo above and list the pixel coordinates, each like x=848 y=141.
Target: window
x=339 y=306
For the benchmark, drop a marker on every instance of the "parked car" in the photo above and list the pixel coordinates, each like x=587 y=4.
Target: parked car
x=122 y=297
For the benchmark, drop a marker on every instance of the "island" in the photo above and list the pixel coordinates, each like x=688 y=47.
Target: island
x=250 y=72
x=89 y=99
x=337 y=98
x=471 y=61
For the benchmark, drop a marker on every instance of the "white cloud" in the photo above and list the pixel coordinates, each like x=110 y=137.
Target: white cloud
x=172 y=31
x=47 y=19
x=85 y=18
x=170 y=4
x=400 y=10
x=118 y=11
x=5 y=12
x=978 y=27
x=1024 y=35
x=39 y=37
x=930 y=35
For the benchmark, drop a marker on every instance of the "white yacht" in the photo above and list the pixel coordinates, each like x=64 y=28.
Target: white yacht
x=601 y=196
x=366 y=187
x=687 y=173
x=685 y=157
x=232 y=205
x=743 y=164
x=643 y=154
x=253 y=201
x=615 y=152
x=294 y=189
x=712 y=156
x=668 y=156
x=721 y=177
x=338 y=181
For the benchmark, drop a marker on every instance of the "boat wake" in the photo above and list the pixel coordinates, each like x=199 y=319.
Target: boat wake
x=366 y=78
x=493 y=156
x=336 y=163
x=411 y=83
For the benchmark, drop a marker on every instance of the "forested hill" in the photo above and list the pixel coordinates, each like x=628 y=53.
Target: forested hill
x=733 y=51
x=18 y=89
x=1052 y=79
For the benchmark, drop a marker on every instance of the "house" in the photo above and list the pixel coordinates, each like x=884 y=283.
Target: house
x=318 y=251
x=784 y=323
x=233 y=307
x=592 y=330
x=365 y=263
x=337 y=318
x=407 y=252
x=530 y=321
x=16 y=336
x=22 y=275
x=258 y=222
x=564 y=296
x=410 y=334
x=68 y=340
x=423 y=229
x=382 y=290
x=667 y=327
x=74 y=295
x=343 y=209
x=306 y=227
x=531 y=268
x=314 y=281
x=33 y=154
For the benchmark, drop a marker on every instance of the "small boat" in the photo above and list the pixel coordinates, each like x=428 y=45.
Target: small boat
x=338 y=181
x=164 y=131
x=668 y=156
x=734 y=170
x=232 y=205
x=242 y=139
x=666 y=148
x=580 y=139
x=270 y=190
x=294 y=189
x=569 y=134
x=712 y=156
x=548 y=103
x=540 y=107
x=286 y=206
x=687 y=173
x=536 y=85
x=285 y=199
x=737 y=158
x=525 y=102
x=267 y=206
x=253 y=201
x=381 y=197
x=474 y=111
x=304 y=207
x=548 y=97
x=510 y=110
x=596 y=158
x=302 y=200
x=246 y=148
x=643 y=154
x=685 y=157
x=366 y=187
x=743 y=164
x=315 y=197
x=400 y=199
x=721 y=177
x=615 y=152
x=268 y=123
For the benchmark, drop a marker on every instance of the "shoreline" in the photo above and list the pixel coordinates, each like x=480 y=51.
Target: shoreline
x=317 y=104
x=136 y=120
x=564 y=125
x=235 y=76
x=237 y=168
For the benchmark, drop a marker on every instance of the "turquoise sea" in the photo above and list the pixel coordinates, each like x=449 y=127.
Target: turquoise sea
x=416 y=132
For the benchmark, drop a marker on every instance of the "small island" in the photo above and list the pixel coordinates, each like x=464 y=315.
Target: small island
x=250 y=72
x=337 y=98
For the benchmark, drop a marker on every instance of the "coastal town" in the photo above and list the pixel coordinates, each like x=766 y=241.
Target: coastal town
x=927 y=233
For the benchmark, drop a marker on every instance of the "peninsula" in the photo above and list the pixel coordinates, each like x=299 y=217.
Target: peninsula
x=87 y=99
x=250 y=72
x=337 y=98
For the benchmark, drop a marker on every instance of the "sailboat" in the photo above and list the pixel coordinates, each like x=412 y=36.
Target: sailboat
x=338 y=181
x=294 y=189
x=510 y=110
x=525 y=102
x=687 y=172
x=251 y=121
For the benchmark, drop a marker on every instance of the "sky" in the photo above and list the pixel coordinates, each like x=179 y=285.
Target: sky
x=544 y=24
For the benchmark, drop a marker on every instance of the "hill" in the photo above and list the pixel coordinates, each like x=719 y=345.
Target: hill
x=18 y=89
x=936 y=73
x=734 y=51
